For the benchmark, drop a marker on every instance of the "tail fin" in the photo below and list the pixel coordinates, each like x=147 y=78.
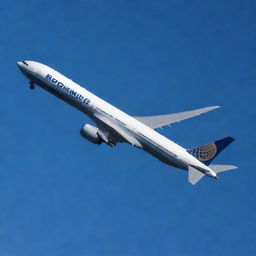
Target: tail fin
x=206 y=153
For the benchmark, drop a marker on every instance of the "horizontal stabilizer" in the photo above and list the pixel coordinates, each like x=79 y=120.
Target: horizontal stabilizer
x=221 y=168
x=194 y=175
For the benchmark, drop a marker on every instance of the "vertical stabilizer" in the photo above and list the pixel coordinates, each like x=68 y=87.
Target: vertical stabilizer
x=206 y=153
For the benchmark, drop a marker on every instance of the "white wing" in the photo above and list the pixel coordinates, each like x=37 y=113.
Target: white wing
x=162 y=120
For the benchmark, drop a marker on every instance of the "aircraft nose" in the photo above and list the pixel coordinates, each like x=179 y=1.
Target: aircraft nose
x=22 y=65
x=19 y=64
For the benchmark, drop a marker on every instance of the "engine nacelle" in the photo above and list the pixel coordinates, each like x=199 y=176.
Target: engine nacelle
x=91 y=133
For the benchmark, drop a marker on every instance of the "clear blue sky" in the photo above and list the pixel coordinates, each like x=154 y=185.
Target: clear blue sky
x=61 y=195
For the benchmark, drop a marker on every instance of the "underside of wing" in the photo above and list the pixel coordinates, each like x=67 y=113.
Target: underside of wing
x=162 y=120
x=113 y=132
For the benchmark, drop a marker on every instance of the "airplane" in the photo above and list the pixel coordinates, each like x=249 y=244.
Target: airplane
x=114 y=126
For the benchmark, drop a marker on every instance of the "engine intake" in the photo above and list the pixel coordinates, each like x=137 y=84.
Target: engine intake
x=91 y=133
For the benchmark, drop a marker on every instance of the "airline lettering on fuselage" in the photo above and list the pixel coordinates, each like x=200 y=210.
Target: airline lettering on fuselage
x=65 y=88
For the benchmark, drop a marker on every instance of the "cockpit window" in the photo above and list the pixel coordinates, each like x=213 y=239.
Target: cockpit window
x=24 y=62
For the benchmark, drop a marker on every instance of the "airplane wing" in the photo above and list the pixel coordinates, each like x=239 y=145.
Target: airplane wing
x=112 y=130
x=162 y=120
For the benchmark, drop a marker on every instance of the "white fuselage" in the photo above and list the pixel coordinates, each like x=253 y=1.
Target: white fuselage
x=149 y=140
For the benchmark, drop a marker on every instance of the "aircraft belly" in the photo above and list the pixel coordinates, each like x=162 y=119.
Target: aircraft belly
x=162 y=155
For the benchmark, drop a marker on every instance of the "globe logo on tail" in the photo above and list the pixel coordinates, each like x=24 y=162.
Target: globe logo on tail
x=205 y=152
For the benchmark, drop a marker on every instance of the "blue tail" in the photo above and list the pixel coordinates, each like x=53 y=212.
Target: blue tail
x=206 y=153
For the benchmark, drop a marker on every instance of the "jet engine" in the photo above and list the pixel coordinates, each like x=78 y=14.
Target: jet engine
x=91 y=133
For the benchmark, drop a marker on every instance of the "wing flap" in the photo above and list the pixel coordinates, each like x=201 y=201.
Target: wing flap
x=162 y=120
